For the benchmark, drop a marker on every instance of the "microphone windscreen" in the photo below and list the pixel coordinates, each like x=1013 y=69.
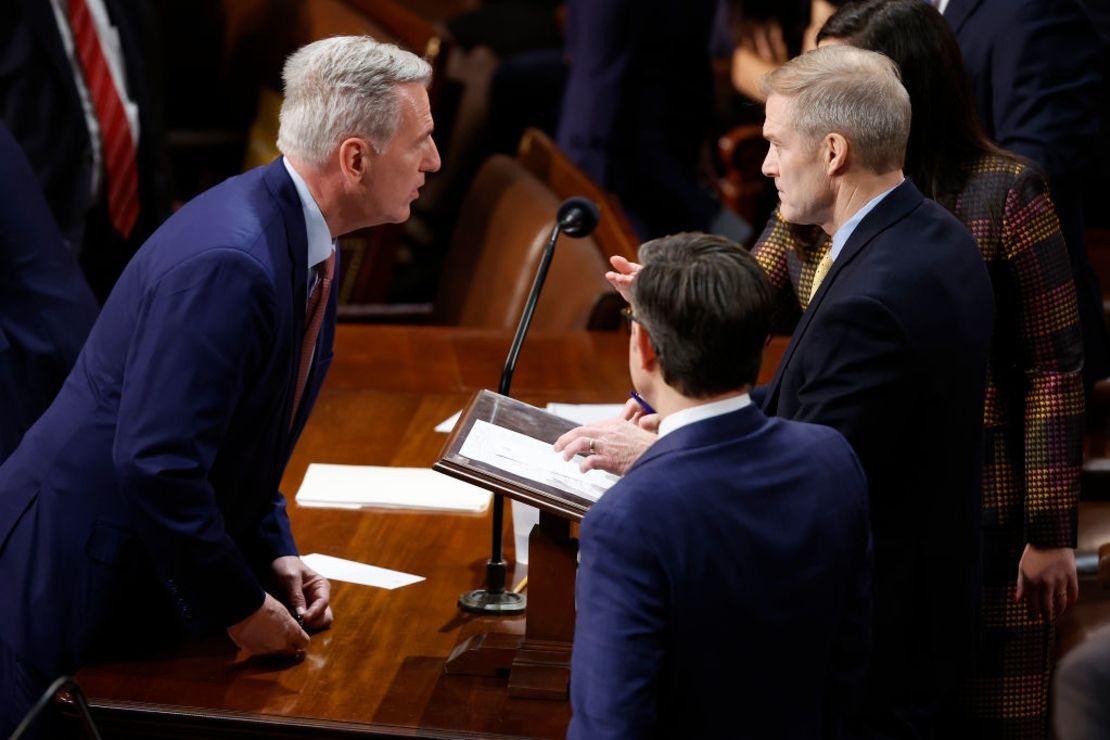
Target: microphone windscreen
x=578 y=217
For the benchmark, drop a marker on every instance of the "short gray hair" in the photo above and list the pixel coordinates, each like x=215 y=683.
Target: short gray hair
x=340 y=87
x=853 y=92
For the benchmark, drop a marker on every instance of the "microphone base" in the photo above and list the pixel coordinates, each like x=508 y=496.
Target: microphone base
x=494 y=599
x=482 y=601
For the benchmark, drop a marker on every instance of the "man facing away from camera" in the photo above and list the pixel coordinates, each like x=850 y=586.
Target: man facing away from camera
x=724 y=588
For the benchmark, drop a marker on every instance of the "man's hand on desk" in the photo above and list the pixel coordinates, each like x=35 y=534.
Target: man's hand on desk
x=611 y=445
x=306 y=591
x=271 y=630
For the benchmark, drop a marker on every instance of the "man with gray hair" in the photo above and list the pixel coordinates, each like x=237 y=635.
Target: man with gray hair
x=892 y=353
x=144 y=504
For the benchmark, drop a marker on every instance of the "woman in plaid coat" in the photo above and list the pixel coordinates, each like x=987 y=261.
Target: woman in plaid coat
x=1033 y=416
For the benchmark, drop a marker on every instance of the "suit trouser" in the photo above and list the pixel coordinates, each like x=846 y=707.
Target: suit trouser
x=1082 y=687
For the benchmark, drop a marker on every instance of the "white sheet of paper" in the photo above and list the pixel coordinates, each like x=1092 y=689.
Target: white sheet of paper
x=532 y=459
x=449 y=423
x=585 y=413
x=338 y=569
x=366 y=486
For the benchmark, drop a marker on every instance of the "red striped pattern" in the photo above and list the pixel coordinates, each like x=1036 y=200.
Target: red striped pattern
x=117 y=144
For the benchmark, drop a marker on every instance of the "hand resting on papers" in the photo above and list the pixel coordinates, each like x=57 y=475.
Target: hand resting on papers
x=611 y=445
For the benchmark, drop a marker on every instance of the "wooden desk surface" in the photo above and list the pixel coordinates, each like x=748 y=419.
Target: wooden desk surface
x=379 y=671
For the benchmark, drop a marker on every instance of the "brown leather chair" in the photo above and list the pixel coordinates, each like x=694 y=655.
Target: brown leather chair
x=499 y=237
x=540 y=155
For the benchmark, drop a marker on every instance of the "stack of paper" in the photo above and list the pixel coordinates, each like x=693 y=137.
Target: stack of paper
x=533 y=460
x=368 y=486
x=580 y=413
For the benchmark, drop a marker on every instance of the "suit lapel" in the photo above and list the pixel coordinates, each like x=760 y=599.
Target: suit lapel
x=958 y=11
x=284 y=192
x=891 y=209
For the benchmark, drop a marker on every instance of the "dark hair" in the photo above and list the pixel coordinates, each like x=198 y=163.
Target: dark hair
x=945 y=135
x=706 y=305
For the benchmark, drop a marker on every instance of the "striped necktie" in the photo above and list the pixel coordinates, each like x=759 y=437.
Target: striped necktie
x=117 y=144
x=314 y=317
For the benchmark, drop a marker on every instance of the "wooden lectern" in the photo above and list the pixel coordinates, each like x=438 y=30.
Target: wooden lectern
x=538 y=663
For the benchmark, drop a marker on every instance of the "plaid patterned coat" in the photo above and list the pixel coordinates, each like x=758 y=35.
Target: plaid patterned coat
x=1033 y=419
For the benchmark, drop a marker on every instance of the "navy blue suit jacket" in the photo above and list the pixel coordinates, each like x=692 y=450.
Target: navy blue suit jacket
x=147 y=495
x=892 y=352
x=46 y=309
x=1036 y=75
x=724 y=587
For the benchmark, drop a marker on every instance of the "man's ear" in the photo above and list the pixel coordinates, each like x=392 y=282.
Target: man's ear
x=835 y=154
x=648 y=358
x=354 y=158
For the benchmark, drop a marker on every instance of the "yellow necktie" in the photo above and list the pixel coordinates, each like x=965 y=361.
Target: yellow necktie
x=819 y=275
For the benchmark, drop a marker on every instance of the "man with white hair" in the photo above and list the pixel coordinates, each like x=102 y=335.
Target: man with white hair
x=144 y=504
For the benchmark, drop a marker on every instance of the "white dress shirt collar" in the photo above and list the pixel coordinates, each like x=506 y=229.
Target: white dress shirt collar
x=840 y=238
x=320 y=243
x=701 y=412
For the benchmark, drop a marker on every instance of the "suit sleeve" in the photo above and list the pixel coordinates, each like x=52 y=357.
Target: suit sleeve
x=619 y=632
x=599 y=46
x=198 y=333
x=1050 y=354
x=1046 y=85
x=851 y=647
x=47 y=307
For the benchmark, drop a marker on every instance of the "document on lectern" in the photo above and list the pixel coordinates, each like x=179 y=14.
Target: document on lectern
x=504 y=445
x=533 y=459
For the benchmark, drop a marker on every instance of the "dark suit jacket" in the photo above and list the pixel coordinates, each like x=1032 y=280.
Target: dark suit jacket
x=1036 y=75
x=40 y=104
x=46 y=309
x=636 y=104
x=147 y=495
x=724 y=587
x=892 y=352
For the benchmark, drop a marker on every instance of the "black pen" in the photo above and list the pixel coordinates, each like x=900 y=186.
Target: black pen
x=643 y=404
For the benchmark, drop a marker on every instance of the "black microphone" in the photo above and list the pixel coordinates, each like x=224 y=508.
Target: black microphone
x=577 y=217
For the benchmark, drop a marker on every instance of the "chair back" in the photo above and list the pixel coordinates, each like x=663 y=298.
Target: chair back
x=496 y=246
x=540 y=155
